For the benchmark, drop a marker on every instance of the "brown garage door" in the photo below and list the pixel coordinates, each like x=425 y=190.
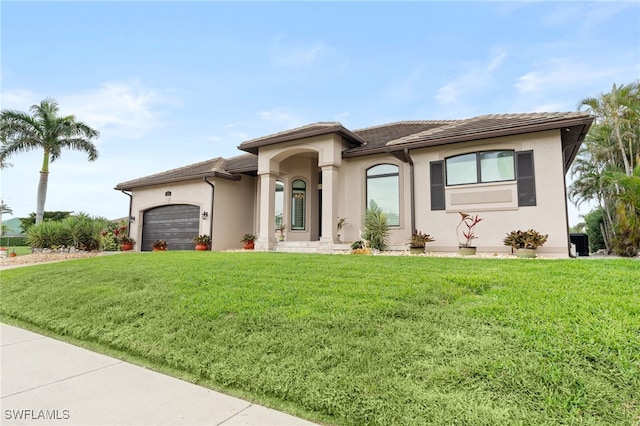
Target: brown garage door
x=176 y=224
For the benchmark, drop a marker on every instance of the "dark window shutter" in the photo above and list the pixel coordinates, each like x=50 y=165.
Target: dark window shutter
x=526 y=178
x=437 y=185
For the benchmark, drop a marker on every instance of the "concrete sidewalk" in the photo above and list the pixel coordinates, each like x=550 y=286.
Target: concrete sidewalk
x=48 y=382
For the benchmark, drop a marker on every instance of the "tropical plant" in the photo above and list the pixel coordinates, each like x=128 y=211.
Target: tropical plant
x=358 y=244
x=3 y=209
x=419 y=239
x=247 y=238
x=376 y=227
x=55 y=216
x=341 y=222
x=627 y=208
x=468 y=234
x=594 y=227
x=202 y=240
x=44 y=129
x=159 y=245
x=80 y=231
x=611 y=152
x=530 y=239
x=281 y=227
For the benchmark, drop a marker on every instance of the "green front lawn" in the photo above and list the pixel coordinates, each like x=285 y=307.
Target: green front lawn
x=361 y=339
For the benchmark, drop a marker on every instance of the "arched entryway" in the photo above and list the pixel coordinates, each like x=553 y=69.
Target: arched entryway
x=177 y=224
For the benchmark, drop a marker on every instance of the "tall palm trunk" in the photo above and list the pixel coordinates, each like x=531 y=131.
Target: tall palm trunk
x=628 y=169
x=42 y=196
x=42 y=188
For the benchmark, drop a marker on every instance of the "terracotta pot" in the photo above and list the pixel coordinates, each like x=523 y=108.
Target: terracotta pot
x=159 y=249
x=13 y=254
x=248 y=245
x=126 y=247
x=202 y=247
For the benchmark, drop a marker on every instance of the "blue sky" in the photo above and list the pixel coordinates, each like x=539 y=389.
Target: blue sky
x=173 y=83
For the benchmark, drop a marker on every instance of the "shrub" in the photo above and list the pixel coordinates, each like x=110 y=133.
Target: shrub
x=376 y=227
x=594 y=221
x=81 y=232
x=530 y=239
x=419 y=239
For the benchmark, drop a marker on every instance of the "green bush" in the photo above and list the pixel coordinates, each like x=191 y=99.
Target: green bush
x=81 y=232
x=376 y=227
x=593 y=219
x=13 y=242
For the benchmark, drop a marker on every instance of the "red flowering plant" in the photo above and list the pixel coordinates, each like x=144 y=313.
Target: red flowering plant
x=470 y=223
x=115 y=235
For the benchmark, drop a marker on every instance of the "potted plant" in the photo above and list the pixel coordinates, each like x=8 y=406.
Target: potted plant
x=159 y=245
x=465 y=246
x=13 y=253
x=281 y=227
x=418 y=242
x=126 y=243
x=248 y=240
x=360 y=247
x=341 y=222
x=525 y=243
x=202 y=242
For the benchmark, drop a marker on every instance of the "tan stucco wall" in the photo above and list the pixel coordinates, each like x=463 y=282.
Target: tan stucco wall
x=237 y=203
x=234 y=207
x=500 y=212
x=234 y=212
x=353 y=197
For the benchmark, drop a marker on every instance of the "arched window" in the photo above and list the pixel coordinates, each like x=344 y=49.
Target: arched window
x=298 y=201
x=383 y=189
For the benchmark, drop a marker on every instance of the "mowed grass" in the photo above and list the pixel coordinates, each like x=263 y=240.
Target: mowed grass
x=353 y=340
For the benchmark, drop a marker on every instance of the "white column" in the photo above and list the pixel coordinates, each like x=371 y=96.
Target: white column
x=266 y=232
x=329 y=204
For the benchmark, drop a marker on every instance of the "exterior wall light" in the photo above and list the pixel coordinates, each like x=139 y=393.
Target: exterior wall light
x=205 y=215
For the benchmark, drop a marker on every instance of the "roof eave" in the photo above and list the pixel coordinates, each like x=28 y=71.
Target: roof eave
x=349 y=136
x=129 y=186
x=511 y=131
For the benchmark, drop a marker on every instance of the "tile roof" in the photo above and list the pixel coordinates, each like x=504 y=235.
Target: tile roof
x=208 y=168
x=314 y=129
x=377 y=137
x=392 y=137
x=491 y=126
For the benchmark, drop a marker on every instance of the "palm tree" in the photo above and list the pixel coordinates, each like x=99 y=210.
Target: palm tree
x=20 y=132
x=3 y=209
x=619 y=111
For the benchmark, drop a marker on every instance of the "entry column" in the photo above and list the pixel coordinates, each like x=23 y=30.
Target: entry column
x=329 y=204
x=266 y=213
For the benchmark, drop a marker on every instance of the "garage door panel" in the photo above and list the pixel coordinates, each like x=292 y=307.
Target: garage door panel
x=175 y=224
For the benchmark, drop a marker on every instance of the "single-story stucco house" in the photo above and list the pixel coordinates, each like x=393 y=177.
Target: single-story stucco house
x=509 y=169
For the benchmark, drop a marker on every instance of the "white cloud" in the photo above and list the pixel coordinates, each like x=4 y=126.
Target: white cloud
x=561 y=73
x=476 y=77
x=124 y=109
